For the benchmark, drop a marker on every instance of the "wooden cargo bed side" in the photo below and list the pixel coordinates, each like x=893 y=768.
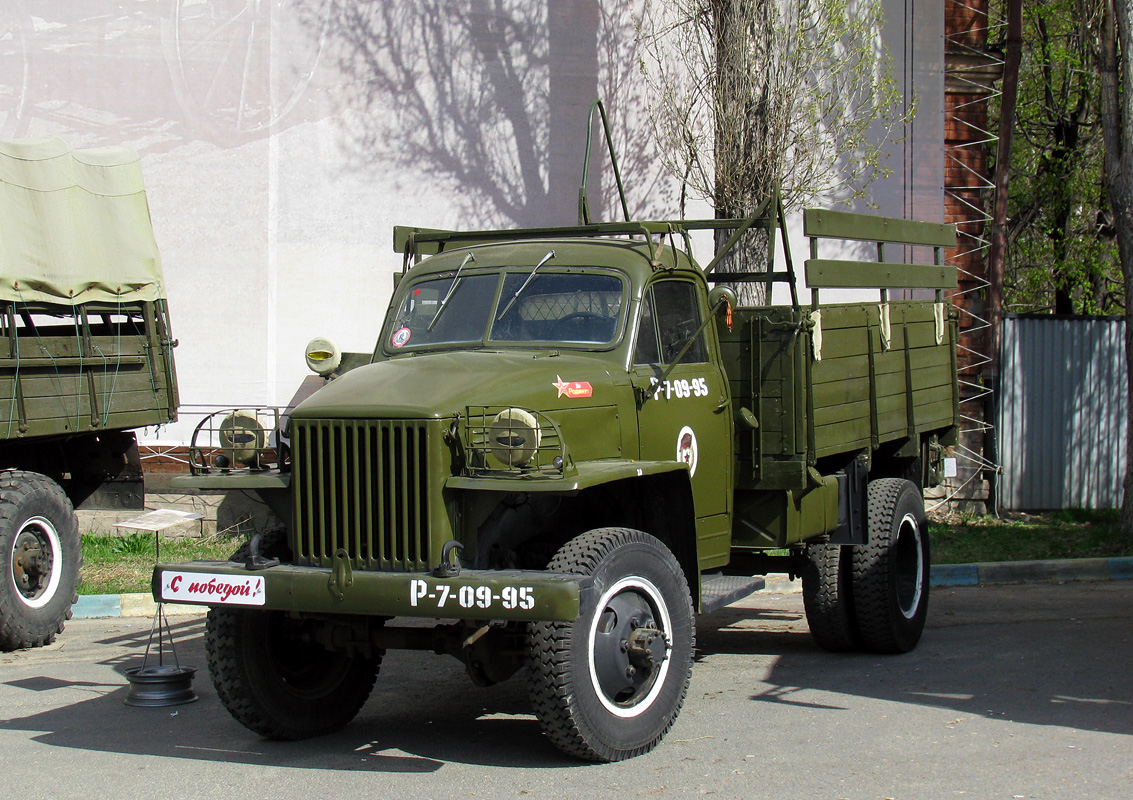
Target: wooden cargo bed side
x=859 y=396
x=865 y=394
x=67 y=370
x=763 y=353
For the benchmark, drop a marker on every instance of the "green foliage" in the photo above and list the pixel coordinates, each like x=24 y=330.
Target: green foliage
x=754 y=95
x=120 y=564
x=1070 y=533
x=1062 y=255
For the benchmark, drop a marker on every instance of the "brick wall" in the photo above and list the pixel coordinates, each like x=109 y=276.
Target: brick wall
x=970 y=75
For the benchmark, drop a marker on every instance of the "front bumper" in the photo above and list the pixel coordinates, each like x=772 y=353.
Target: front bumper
x=473 y=594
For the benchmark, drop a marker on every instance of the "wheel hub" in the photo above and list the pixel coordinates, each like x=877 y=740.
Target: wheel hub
x=31 y=566
x=646 y=647
x=629 y=649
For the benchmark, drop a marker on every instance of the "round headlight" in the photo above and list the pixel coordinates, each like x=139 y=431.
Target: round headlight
x=242 y=438
x=514 y=437
x=323 y=356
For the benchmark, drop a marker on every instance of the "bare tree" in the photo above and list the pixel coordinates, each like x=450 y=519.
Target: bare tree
x=488 y=100
x=1115 y=51
x=756 y=95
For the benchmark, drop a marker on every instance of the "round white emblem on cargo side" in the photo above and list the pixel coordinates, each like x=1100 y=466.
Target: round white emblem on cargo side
x=686 y=448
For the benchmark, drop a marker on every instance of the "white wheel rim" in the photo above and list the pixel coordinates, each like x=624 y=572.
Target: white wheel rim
x=45 y=530
x=653 y=596
x=910 y=527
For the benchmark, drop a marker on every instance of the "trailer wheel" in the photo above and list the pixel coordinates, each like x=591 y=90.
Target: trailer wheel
x=609 y=685
x=40 y=558
x=275 y=680
x=827 y=597
x=891 y=572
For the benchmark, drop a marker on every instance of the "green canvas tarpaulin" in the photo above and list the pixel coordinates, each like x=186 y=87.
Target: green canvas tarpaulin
x=74 y=225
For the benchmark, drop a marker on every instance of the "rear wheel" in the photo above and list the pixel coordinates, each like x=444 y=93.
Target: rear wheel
x=609 y=685
x=276 y=680
x=891 y=572
x=40 y=558
x=827 y=596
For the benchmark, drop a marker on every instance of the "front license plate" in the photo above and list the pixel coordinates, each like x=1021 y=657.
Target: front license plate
x=225 y=590
x=443 y=596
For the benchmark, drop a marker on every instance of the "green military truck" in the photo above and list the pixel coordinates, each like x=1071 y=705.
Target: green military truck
x=566 y=443
x=85 y=357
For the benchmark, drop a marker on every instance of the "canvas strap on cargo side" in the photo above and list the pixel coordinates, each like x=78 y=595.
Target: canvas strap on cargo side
x=816 y=334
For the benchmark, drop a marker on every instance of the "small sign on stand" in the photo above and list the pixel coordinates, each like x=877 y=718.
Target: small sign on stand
x=160 y=684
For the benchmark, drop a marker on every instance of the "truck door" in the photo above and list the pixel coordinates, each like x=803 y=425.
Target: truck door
x=685 y=416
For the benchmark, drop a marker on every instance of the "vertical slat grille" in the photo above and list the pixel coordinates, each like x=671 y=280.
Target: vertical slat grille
x=361 y=486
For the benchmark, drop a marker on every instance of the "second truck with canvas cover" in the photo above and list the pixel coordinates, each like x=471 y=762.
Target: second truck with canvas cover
x=566 y=443
x=86 y=355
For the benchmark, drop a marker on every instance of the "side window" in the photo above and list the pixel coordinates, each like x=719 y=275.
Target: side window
x=670 y=316
x=647 y=350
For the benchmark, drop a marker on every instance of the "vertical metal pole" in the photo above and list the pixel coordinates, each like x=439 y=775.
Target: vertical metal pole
x=997 y=253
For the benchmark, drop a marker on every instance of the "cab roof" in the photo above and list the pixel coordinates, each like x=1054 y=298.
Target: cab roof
x=624 y=254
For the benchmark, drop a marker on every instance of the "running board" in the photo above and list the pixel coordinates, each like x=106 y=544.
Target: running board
x=717 y=591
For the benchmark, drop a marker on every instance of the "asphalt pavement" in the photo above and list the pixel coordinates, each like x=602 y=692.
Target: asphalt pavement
x=1019 y=691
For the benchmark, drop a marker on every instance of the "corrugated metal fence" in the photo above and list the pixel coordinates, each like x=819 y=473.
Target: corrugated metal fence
x=1062 y=412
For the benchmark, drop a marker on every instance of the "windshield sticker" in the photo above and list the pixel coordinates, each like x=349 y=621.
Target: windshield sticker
x=400 y=337
x=573 y=389
x=686 y=448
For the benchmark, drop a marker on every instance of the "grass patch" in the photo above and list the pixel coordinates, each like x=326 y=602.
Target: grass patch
x=124 y=564
x=1071 y=533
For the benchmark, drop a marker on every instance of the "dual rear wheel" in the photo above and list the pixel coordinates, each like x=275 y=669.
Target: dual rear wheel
x=874 y=596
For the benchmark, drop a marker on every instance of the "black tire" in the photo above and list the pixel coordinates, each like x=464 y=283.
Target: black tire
x=273 y=544
x=277 y=682
x=828 y=597
x=891 y=572
x=588 y=701
x=40 y=559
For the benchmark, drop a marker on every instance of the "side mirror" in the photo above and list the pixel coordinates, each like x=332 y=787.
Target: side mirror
x=719 y=293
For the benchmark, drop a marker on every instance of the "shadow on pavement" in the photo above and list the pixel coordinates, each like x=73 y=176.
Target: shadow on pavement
x=1041 y=655
x=409 y=725
x=1038 y=654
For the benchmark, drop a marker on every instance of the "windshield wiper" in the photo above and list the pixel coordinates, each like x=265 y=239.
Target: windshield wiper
x=449 y=293
x=519 y=291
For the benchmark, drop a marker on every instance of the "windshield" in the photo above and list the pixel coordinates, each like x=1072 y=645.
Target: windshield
x=570 y=307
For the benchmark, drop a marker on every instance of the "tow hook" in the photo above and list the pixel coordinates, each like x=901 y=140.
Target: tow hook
x=448 y=569
x=341 y=575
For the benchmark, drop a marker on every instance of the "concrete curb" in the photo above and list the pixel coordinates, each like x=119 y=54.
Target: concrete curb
x=1056 y=571
x=91 y=606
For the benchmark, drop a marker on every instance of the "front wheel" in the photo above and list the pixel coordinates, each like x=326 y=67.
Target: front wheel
x=40 y=557
x=276 y=680
x=891 y=572
x=609 y=685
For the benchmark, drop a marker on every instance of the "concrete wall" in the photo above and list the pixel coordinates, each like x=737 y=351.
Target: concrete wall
x=281 y=140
